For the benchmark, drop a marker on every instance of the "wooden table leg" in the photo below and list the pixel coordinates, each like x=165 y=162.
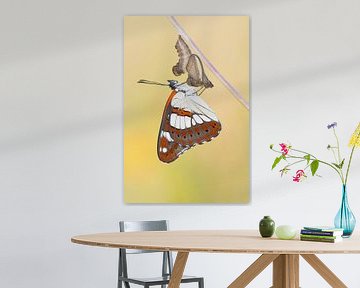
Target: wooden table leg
x=253 y=270
x=286 y=271
x=178 y=269
x=324 y=271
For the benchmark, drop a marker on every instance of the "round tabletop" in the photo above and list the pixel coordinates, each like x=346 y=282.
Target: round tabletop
x=220 y=241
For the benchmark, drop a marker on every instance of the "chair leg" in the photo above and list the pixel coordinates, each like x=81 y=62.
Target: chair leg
x=119 y=270
x=201 y=283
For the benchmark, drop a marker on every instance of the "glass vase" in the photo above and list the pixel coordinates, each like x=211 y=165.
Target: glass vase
x=345 y=219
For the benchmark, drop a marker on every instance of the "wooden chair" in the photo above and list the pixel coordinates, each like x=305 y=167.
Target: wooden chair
x=167 y=262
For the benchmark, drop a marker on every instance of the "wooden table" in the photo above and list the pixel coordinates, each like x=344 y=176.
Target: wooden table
x=284 y=254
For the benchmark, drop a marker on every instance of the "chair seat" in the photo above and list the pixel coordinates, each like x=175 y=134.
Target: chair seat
x=158 y=280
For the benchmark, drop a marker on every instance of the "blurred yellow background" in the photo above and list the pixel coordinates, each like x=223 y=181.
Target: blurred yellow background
x=215 y=172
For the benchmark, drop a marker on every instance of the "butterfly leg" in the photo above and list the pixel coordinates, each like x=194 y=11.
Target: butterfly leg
x=201 y=90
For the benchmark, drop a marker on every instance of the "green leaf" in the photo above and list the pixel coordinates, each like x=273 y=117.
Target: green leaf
x=271 y=146
x=276 y=161
x=314 y=166
x=336 y=165
x=339 y=166
x=307 y=157
x=342 y=163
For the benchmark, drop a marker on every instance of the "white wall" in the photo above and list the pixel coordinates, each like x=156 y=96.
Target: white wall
x=61 y=133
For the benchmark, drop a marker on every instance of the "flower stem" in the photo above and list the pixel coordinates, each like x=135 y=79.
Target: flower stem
x=348 y=167
x=323 y=162
x=296 y=162
x=320 y=161
x=333 y=152
x=304 y=152
x=312 y=158
x=339 y=156
x=338 y=146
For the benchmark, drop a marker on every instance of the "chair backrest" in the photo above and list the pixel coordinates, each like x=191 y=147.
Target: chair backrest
x=135 y=226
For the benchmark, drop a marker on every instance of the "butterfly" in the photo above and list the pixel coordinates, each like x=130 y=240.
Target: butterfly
x=186 y=121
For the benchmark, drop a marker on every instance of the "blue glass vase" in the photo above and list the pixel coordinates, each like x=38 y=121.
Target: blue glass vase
x=345 y=219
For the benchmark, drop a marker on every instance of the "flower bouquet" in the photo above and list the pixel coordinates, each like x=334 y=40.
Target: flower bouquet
x=292 y=157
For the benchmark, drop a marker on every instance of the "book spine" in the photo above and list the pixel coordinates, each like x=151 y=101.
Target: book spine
x=320 y=233
x=319 y=236
x=318 y=239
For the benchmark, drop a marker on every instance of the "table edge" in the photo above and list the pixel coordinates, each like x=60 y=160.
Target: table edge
x=203 y=250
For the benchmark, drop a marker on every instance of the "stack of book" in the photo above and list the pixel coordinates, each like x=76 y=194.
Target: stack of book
x=321 y=234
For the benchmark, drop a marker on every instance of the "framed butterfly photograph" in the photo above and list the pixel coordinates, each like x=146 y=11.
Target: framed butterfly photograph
x=186 y=109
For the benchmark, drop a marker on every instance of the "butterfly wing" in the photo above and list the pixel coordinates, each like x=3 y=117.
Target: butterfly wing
x=187 y=120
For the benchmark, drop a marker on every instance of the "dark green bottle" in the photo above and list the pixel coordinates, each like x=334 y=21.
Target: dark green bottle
x=266 y=226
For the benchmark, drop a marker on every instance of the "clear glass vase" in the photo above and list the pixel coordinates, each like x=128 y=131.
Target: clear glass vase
x=345 y=219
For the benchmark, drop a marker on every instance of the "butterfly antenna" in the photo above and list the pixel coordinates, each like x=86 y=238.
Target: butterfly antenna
x=142 y=81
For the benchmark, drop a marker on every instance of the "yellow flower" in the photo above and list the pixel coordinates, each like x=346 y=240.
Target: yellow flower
x=355 y=138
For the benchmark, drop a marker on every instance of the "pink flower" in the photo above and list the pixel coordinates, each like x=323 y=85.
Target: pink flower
x=300 y=174
x=284 y=148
